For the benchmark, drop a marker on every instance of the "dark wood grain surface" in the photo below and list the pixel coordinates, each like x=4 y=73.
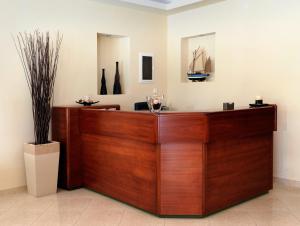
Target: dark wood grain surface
x=119 y=155
x=65 y=129
x=127 y=125
x=181 y=179
x=121 y=168
x=188 y=127
x=171 y=163
x=241 y=123
x=237 y=169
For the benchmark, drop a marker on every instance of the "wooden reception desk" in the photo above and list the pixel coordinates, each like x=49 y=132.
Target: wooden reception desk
x=172 y=163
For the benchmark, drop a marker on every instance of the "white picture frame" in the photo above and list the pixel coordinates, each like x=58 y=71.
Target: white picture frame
x=146 y=67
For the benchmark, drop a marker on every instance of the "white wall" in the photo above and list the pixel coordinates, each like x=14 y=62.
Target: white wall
x=79 y=21
x=257 y=50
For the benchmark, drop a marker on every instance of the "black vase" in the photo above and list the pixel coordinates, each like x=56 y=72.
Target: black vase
x=103 y=90
x=117 y=85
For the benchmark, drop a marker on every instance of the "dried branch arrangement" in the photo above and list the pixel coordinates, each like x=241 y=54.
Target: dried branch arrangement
x=39 y=57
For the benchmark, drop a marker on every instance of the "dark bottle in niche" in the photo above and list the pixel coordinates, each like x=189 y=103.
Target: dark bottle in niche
x=103 y=90
x=117 y=85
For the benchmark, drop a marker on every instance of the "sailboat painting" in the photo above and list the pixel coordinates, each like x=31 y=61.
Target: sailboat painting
x=200 y=67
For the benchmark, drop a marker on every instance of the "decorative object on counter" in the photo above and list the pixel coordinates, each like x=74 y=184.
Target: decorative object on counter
x=165 y=108
x=228 y=106
x=103 y=90
x=258 y=102
x=39 y=56
x=86 y=101
x=117 y=85
x=155 y=101
x=200 y=67
x=140 y=106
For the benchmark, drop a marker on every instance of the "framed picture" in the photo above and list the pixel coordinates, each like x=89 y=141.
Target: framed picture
x=146 y=67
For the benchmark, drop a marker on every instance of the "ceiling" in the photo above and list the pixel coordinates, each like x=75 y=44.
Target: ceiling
x=163 y=1
x=163 y=4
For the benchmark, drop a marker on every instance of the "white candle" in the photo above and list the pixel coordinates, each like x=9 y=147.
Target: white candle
x=155 y=101
x=258 y=98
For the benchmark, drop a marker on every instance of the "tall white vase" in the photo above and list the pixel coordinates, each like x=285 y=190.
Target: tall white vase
x=41 y=163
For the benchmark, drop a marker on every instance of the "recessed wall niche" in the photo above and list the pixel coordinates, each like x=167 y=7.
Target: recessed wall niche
x=192 y=43
x=111 y=49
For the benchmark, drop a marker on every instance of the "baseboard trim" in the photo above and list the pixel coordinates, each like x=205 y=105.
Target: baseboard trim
x=277 y=180
x=286 y=182
x=13 y=190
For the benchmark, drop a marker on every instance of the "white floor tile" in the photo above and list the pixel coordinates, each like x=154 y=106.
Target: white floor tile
x=100 y=218
x=81 y=207
x=135 y=217
x=58 y=218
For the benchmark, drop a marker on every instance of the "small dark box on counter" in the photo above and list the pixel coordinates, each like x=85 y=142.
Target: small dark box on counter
x=228 y=106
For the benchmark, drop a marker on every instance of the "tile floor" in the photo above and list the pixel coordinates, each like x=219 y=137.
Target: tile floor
x=281 y=207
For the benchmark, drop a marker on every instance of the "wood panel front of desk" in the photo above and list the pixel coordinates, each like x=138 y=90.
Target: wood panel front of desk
x=178 y=163
x=65 y=129
x=235 y=150
x=119 y=156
